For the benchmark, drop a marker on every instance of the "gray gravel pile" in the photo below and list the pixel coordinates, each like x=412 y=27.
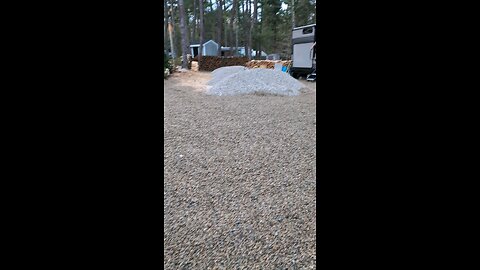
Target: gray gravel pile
x=223 y=72
x=239 y=181
x=228 y=70
x=253 y=81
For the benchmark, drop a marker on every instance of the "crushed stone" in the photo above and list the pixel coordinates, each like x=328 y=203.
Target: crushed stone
x=229 y=81
x=223 y=72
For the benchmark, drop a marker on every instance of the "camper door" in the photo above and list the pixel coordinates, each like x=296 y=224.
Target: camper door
x=302 y=55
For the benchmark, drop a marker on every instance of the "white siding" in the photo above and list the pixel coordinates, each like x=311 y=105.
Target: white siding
x=211 y=49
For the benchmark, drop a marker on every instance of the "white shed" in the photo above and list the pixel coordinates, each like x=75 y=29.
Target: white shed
x=210 y=48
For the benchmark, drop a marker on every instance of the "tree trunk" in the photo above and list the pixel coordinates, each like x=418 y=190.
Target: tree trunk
x=172 y=46
x=293 y=14
x=259 y=40
x=194 y=20
x=232 y=28
x=252 y=26
x=187 y=27
x=225 y=35
x=183 y=32
x=202 y=32
x=236 y=37
x=173 y=35
x=170 y=33
x=248 y=18
x=225 y=25
x=219 y=26
x=165 y=23
x=242 y=23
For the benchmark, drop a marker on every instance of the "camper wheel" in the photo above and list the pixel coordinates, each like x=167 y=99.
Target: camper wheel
x=294 y=74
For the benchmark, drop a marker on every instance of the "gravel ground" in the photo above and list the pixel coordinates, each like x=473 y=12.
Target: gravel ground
x=240 y=178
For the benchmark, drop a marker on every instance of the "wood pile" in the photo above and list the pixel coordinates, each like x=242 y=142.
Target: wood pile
x=210 y=63
x=266 y=63
x=194 y=65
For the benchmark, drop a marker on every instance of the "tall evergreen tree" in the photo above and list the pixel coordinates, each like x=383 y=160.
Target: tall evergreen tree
x=183 y=30
x=202 y=31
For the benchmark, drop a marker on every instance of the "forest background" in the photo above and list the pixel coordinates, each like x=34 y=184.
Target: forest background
x=262 y=25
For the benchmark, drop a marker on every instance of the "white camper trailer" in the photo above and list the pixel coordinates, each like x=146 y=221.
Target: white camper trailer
x=303 y=51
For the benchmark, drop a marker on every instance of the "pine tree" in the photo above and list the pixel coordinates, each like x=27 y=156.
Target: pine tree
x=183 y=30
x=202 y=31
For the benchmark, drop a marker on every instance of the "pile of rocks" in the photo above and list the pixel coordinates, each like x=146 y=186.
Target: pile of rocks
x=237 y=80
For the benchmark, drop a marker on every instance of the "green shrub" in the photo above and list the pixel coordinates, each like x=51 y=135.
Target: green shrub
x=167 y=64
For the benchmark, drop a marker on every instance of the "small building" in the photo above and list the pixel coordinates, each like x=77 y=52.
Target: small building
x=210 y=48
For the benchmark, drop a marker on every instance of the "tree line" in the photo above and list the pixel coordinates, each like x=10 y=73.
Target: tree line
x=261 y=25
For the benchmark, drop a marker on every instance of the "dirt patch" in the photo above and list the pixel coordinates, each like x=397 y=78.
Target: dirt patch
x=192 y=80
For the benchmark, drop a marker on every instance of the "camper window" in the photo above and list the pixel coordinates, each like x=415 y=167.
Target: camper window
x=308 y=30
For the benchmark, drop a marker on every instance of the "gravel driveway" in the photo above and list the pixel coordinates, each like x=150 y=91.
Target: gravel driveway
x=240 y=179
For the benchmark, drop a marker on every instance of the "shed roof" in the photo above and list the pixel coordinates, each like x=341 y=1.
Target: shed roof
x=197 y=44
